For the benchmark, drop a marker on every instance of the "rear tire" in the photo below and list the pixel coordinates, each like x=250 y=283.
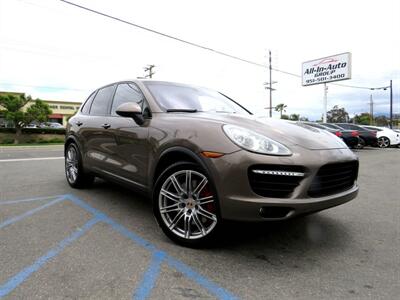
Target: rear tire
x=361 y=143
x=185 y=205
x=76 y=176
x=383 y=142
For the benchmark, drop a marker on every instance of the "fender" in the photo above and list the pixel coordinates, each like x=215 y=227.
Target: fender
x=197 y=158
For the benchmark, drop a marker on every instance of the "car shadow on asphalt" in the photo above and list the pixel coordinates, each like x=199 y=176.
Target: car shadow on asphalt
x=305 y=234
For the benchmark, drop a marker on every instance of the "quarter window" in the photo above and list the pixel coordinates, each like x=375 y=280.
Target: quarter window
x=88 y=103
x=101 y=101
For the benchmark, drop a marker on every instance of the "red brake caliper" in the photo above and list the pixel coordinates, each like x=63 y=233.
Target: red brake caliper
x=210 y=207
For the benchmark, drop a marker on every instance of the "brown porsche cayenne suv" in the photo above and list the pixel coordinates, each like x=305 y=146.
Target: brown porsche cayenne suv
x=203 y=158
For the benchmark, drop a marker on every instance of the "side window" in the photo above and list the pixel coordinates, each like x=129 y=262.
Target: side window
x=88 y=103
x=345 y=126
x=101 y=101
x=126 y=92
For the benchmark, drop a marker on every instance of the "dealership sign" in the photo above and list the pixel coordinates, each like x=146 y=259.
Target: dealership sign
x=327 y=69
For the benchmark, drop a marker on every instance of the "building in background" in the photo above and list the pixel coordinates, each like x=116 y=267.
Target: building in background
x=62 y=110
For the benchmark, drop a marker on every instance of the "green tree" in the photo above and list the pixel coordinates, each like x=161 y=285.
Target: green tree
x=281 y=108
x=381 y=121
x=39 y=112
x=13 y=105
x=363 y=119
x=285 y=117
x=337 y=115
x=294 y=117
x=303 y=119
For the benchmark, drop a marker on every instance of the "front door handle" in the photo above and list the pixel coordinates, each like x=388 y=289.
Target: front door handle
x=79 y=123
x=106 y=126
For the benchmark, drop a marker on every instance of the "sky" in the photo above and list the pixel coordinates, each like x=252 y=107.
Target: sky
x=52 y=50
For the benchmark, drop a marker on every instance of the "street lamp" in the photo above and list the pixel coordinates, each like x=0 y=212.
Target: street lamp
x=391 y=99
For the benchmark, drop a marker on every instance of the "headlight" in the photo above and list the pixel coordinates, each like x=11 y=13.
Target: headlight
x=254 y=142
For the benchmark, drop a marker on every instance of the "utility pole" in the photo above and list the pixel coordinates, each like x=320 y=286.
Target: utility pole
x=391 y=99
x=149 y=69
x=391 y=104
x=268 y=85
x=325 y=102
x=371 y=110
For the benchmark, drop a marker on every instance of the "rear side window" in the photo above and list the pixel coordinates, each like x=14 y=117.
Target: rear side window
x=86 y=107
x=346 y=126
x=102 y=101
x=126 y=92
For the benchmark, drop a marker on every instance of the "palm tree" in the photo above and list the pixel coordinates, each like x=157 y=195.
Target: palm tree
x=281 y=108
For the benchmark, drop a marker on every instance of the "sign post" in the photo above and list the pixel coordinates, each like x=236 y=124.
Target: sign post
x=326 y=69
x=325 y=102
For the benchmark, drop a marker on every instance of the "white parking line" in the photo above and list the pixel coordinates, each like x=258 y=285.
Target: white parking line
x=32 y=158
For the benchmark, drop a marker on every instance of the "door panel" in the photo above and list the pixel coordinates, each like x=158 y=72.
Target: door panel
x=97 y=141
x=130 y=150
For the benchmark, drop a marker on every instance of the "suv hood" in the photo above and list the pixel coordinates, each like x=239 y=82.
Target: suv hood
x=285 y=132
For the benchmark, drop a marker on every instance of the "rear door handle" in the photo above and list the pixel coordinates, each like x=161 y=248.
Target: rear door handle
x=79 y=123
x=106 y=126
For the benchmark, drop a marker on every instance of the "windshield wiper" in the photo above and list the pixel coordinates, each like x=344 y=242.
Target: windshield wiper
x=188 y=110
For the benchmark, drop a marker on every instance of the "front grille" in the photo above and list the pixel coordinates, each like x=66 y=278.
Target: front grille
x=334 y=178
x=279 y=184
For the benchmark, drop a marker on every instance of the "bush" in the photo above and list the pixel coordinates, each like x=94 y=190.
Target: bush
x=36 y=130
x=51 y=141
x=7 y=141
x=44 y=130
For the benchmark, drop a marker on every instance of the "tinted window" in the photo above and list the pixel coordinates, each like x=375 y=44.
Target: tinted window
x=88 y=103
x=315 y=125
x=345 y=126
x=331 y=126
x=102 y=101
x=373 y=128
x=352 y=127
x=126 y=92
x=171 y=96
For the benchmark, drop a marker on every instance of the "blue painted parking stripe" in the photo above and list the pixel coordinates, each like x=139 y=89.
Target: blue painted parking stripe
x=19 y=278
x=117 y=227
x=213 y=288
x=29 y=200
x=150 y=277
x=28 y=213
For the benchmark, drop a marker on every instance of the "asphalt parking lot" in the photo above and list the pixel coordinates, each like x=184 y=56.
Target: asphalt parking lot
x=103 y=243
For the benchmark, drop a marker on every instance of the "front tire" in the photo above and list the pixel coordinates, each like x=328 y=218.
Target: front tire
x=74 y=171
x=186 y=206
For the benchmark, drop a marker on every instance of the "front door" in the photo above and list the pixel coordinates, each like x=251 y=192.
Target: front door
x=130 y=151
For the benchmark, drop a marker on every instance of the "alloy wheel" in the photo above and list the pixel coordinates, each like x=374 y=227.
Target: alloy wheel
x=71 y=164
x=383 y=142
x=187 y=204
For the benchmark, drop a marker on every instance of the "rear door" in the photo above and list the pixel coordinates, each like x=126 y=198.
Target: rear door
x=95 y=130
x=131 y=148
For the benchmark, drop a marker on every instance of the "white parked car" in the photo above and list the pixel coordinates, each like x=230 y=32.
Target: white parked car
x=386 y=136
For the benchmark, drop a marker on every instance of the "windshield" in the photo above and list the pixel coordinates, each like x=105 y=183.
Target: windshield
x=184 y=97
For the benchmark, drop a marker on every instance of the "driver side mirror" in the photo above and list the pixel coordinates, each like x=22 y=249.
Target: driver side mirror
x=131 y=110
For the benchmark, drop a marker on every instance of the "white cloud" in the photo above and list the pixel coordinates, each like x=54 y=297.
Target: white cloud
x=48 y=43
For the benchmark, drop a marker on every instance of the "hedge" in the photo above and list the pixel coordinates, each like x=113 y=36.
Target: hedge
x=35 y=130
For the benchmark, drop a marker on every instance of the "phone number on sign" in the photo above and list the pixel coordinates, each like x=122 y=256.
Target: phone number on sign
x=325 y=78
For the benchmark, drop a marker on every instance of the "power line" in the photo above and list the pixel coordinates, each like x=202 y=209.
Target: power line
x=43 y=87
x=163 y=34
x=198 y=45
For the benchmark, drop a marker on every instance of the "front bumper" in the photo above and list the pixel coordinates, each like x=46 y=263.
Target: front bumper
x=239 y=202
